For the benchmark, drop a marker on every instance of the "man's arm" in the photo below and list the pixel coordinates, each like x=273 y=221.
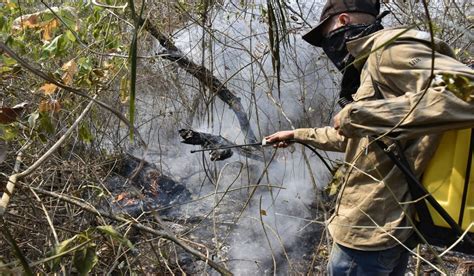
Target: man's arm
x=437 y=110
x=325 y=138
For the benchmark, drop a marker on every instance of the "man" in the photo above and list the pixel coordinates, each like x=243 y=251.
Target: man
x=387 y=87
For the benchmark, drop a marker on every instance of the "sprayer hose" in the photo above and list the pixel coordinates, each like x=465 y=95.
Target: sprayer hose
x=315 y=152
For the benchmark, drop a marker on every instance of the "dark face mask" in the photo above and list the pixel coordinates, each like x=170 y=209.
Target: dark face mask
x=334 y=45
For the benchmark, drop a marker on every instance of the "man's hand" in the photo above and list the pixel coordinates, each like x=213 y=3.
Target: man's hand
x=337 y=122
x=281 y=138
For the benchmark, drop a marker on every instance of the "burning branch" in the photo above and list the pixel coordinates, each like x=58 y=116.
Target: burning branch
x=210 y=141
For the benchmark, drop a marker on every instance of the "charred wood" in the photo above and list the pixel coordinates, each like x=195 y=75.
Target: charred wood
x=210 y=141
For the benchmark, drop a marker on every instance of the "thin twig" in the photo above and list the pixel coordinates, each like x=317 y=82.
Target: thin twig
x=266 y=235
x=458 y=240
x=48 y=218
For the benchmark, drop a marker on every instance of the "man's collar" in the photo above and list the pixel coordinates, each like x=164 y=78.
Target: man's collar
x=360 y=48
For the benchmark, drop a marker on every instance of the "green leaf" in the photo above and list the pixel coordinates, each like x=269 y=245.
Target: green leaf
x=60 y=248
x=84 y=64
x=47 y=16
x=337 y=179
x=461 y=86
x=68 y=17
x=57 y=47
x=8 y=61
x=84 y=260
x=109 y=230
x=8 y=133
x=45 y=123
x=85 y=134
x=53 y=46
x=70 y=36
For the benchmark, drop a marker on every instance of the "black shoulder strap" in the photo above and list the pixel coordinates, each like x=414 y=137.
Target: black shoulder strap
x=467 y=179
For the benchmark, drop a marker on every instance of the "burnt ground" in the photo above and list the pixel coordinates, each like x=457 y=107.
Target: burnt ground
x=136 y=188
x=456 y=263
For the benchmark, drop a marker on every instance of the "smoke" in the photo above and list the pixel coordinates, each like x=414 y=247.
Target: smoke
x=276 y=227
x=257 y=215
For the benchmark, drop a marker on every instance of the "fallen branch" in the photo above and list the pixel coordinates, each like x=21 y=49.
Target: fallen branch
x=11 y=182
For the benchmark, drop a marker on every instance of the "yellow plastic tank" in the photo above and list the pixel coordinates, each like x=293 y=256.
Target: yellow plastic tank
x=445 y=178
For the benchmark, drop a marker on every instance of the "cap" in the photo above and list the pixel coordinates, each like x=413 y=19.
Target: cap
x=333 y=7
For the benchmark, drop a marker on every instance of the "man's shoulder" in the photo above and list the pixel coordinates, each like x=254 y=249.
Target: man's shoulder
x=407 y=34
x=386 y=36
x=395 y=36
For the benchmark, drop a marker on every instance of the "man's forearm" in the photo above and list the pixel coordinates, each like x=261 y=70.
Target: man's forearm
x=325 y=138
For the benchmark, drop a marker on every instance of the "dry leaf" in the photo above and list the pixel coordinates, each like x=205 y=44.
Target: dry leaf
x=124 y=85
x=48 y=28
x=10 y=114
x=120 y=196
x=48 y=88
x=49 y=106
x=43 y=106
x=25 y=22
x=7 y=115
x=70 y=69
x=70 y=66
x=34 y=21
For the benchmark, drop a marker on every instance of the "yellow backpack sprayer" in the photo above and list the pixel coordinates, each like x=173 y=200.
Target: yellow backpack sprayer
x=449 y=178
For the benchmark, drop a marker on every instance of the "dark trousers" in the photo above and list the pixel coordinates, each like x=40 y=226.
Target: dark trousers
x=346 y=261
